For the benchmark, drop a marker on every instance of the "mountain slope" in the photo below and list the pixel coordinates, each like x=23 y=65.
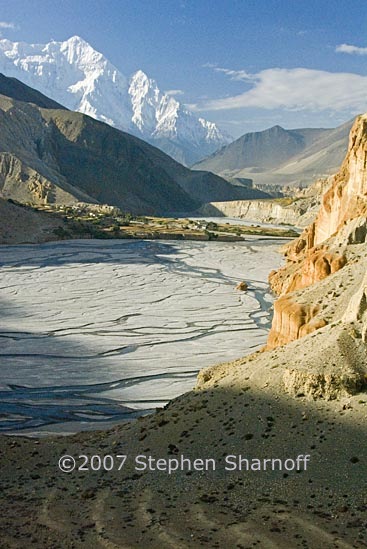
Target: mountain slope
x=82 y=79
x=21 y=224
x=12 y=87
x=282 y=157
x=50 y=155
x=263 y=150
x=322 y=157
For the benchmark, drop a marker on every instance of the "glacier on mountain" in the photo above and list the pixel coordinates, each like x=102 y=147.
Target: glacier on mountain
x=74 y=74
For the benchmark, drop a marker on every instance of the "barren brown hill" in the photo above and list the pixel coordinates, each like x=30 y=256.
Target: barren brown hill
x=49 y=154
x=281 y=157
x=21 y=224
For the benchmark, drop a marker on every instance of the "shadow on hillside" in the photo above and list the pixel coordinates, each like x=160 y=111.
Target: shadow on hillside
x=321 y=506
x=314 y=507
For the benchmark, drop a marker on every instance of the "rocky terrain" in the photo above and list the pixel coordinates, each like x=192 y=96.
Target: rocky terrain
x=20 y=224
x=334 y=244
x=279 y=158
x=285 y=211
x=305 y=394
x=299 y=209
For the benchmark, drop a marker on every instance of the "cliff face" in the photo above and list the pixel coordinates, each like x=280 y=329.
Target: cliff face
x=328 y=245
x=317 y=347
x=263 y=211
x=299 y=211
x=347 y=197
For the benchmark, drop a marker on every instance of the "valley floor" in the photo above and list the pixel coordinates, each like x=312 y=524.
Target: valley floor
x=20 y=224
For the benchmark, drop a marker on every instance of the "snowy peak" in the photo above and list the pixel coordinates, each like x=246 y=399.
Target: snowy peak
x=154 y=113
x=80 y=54
x=74 y=74
x=145 y=101
x=213 y=133
x=141 y=80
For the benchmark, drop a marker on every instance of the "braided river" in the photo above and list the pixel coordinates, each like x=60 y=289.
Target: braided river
x=93 y=332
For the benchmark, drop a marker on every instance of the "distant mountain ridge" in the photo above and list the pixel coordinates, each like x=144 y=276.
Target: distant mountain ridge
x=49 y=154
x=77 y=76
x=281 y=157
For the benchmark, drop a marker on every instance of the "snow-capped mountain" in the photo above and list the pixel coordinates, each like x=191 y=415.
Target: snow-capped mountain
x=82 y=79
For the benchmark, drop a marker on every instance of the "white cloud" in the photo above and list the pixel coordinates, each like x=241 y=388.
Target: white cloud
x=348 y=48
x=174 y=92
x=7 y=25
x=235 y=75
x=298 y=89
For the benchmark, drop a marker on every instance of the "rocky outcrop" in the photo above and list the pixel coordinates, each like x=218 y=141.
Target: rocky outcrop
x=242 y=286
x=22 y=224
x=332 y=379
x=346 y=198
x=327 y=385
x=325 y=247
x=341 y=221
x=21 y=182
x=299 y=210
x=317 y=264
x=263 y=211
x=293 y=320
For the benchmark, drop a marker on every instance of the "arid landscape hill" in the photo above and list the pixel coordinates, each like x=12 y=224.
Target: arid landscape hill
x=282 y=157
x=51 y=155
x=20 y=224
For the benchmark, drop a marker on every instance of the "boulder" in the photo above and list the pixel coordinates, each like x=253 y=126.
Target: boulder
x=242 y=286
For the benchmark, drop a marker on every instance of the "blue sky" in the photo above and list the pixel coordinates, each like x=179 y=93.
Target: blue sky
x=245 y=64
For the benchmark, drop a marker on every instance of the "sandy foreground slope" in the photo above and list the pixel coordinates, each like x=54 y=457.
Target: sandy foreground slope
x=304 y=396
x=20 y=224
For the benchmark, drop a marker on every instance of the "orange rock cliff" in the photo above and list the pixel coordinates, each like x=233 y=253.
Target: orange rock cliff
x=324 y=247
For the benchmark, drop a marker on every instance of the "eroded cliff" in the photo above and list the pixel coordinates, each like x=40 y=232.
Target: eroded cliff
x=332 y=242
x=299 y=210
